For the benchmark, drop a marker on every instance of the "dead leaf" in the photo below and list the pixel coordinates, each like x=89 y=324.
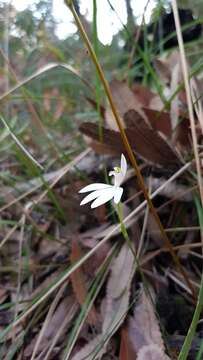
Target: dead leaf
x=115 y=305
x=183 y=134
x=121 y=272
x=159 y=120
x=100 y=148
x=124 y=100
x=146 y=142
x=78 y=282
x=151 y=352
x=156 y=103
x=164 y=67
x=143 y=327
x=118 y=290
x=162 y=70
x=143 y=94
x=111 y=139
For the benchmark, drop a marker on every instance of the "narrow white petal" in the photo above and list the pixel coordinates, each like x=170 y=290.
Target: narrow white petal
x=118 y=178
x=95 y=186
x=92 y=196
x=107 y=195
x=123 y=165
x=117 y=195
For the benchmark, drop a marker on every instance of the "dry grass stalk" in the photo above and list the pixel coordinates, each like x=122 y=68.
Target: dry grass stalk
x=188 y=95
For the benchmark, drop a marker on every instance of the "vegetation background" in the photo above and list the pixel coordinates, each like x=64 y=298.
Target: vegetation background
x=50 y=306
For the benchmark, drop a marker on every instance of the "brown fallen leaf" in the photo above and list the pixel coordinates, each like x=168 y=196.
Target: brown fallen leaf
x=149 y=143
x=124 y=100
x=183 y=133
x=143 y=94
x=162 y=70
x=159 y=120
x=165 y=67
x=124 y=97
x=111 y=139
x=151 y=352
x=114 y=307
x=78 y=282
x=101 y=148
x=116 y=302
x=146 y=142
x=144 y=331
x=156 y=103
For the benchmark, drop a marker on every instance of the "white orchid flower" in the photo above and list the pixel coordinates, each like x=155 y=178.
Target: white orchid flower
x=101 y=193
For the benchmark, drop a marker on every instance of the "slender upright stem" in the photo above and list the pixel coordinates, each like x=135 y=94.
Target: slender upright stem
x=123 y=229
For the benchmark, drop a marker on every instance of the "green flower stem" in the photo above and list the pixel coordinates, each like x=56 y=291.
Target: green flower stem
x=124 y=230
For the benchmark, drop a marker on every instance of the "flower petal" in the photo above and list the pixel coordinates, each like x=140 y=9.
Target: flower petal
x=118 y=179
x=95 y=186
x=107 y=195
x=92 y=196
x=117 y=195
x=123 y=165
